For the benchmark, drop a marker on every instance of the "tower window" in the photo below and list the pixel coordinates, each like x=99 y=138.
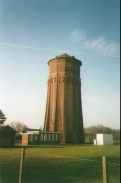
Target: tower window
x=52 y=111
x=51 y=80
x=61 y=79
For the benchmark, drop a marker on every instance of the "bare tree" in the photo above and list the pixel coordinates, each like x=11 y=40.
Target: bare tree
x=102 y=129
x=41 y=128
x=17 y=126
x=97 y=129
x=2 y=117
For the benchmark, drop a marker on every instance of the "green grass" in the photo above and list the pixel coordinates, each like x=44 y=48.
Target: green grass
x=60 y=163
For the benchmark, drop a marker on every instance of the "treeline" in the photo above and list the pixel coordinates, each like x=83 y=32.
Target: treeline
x=102 y=129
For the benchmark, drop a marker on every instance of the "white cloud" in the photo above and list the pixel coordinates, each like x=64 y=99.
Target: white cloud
x=77 y=35
x=99 y=47
x=102 y=47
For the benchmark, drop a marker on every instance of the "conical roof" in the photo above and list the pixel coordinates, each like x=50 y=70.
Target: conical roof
x=64 y=55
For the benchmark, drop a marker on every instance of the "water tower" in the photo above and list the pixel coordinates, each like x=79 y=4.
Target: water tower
x=64 y=107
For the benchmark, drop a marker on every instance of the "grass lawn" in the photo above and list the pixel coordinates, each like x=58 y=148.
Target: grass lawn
x=60 y=163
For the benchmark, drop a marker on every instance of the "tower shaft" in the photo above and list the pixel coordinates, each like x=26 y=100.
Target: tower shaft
x=64 y=108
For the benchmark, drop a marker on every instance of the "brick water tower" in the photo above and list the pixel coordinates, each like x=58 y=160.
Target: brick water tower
x=64 y=107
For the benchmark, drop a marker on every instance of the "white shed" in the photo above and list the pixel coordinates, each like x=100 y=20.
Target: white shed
x=104 y=139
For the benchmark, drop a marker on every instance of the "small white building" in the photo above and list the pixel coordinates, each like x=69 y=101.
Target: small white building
x=104 y=139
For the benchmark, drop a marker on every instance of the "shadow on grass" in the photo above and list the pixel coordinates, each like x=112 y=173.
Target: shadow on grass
x=50 y=145
x=18 y=145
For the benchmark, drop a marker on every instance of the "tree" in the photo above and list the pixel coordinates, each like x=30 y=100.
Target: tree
x=116 y=135
x=97 y=129
x=41 y=128
x=102 y=129
x=17 y=126
x=2 y=117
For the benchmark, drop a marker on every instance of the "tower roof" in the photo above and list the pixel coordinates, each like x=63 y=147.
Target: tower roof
x=65 y=55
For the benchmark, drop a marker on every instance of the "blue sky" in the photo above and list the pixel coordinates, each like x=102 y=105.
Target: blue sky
x=34 y=31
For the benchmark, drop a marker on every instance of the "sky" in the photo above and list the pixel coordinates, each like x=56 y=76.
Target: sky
x=34 y=31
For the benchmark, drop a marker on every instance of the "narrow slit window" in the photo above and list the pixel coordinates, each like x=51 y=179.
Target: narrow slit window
x=52 y=110
x=61 y=79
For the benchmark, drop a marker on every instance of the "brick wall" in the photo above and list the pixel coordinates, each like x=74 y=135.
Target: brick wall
x=63 y=108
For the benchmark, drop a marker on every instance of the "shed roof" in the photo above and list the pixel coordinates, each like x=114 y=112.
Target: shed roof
x=30 y=129
x=2 y=127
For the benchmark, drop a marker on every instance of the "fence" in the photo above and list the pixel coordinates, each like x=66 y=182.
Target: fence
x=59 y=169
